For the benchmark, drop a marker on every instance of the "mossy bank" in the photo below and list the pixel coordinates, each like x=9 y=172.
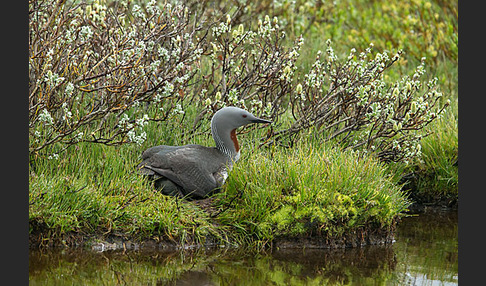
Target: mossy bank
x=274 y=195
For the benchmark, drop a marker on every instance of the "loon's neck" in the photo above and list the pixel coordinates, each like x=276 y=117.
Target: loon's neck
x=226 y=142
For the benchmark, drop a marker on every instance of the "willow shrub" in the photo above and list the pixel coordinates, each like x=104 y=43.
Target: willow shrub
x=91 y=65
x=100 y=70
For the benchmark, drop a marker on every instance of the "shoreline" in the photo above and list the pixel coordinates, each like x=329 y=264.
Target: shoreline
x=43 y=237
x=100 y=242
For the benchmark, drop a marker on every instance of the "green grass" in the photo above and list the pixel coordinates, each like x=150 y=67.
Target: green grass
x=310 y=190
x=437 y=171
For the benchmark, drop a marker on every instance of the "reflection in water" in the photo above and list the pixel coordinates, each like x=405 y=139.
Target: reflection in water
x=425 y=254
x=426 y=249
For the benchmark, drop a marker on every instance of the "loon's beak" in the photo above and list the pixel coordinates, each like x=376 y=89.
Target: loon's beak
x=259 y=120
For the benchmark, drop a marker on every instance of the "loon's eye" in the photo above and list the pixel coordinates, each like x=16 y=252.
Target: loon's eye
x=244 y=115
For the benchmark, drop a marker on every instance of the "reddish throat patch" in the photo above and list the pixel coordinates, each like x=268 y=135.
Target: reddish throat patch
x=235 y=141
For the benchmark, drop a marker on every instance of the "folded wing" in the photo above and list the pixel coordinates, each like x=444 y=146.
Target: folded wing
x=196 y=169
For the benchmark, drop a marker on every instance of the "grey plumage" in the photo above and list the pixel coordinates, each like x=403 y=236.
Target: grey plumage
x=194 y=171
x=183 y=167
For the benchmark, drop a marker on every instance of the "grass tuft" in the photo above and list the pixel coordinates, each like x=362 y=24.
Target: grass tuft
x=309 y=190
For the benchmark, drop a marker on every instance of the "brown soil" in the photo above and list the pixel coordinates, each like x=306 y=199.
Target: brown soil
x=117 y=241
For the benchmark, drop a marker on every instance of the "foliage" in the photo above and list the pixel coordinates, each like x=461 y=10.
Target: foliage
x=250 y=69
x=163 y=57
x=422 y=28
x=341 y=98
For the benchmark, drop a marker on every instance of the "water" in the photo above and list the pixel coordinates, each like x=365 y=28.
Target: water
x=425 y=253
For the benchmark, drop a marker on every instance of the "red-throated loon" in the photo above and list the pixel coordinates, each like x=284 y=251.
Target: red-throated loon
x=194 y=171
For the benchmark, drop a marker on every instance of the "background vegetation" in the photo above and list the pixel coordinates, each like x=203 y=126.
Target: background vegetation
x=353 y=87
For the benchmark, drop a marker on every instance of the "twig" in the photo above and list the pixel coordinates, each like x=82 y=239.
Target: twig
x=238 y=195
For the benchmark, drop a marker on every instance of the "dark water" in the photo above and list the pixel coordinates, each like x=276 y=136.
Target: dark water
x=425 y=253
